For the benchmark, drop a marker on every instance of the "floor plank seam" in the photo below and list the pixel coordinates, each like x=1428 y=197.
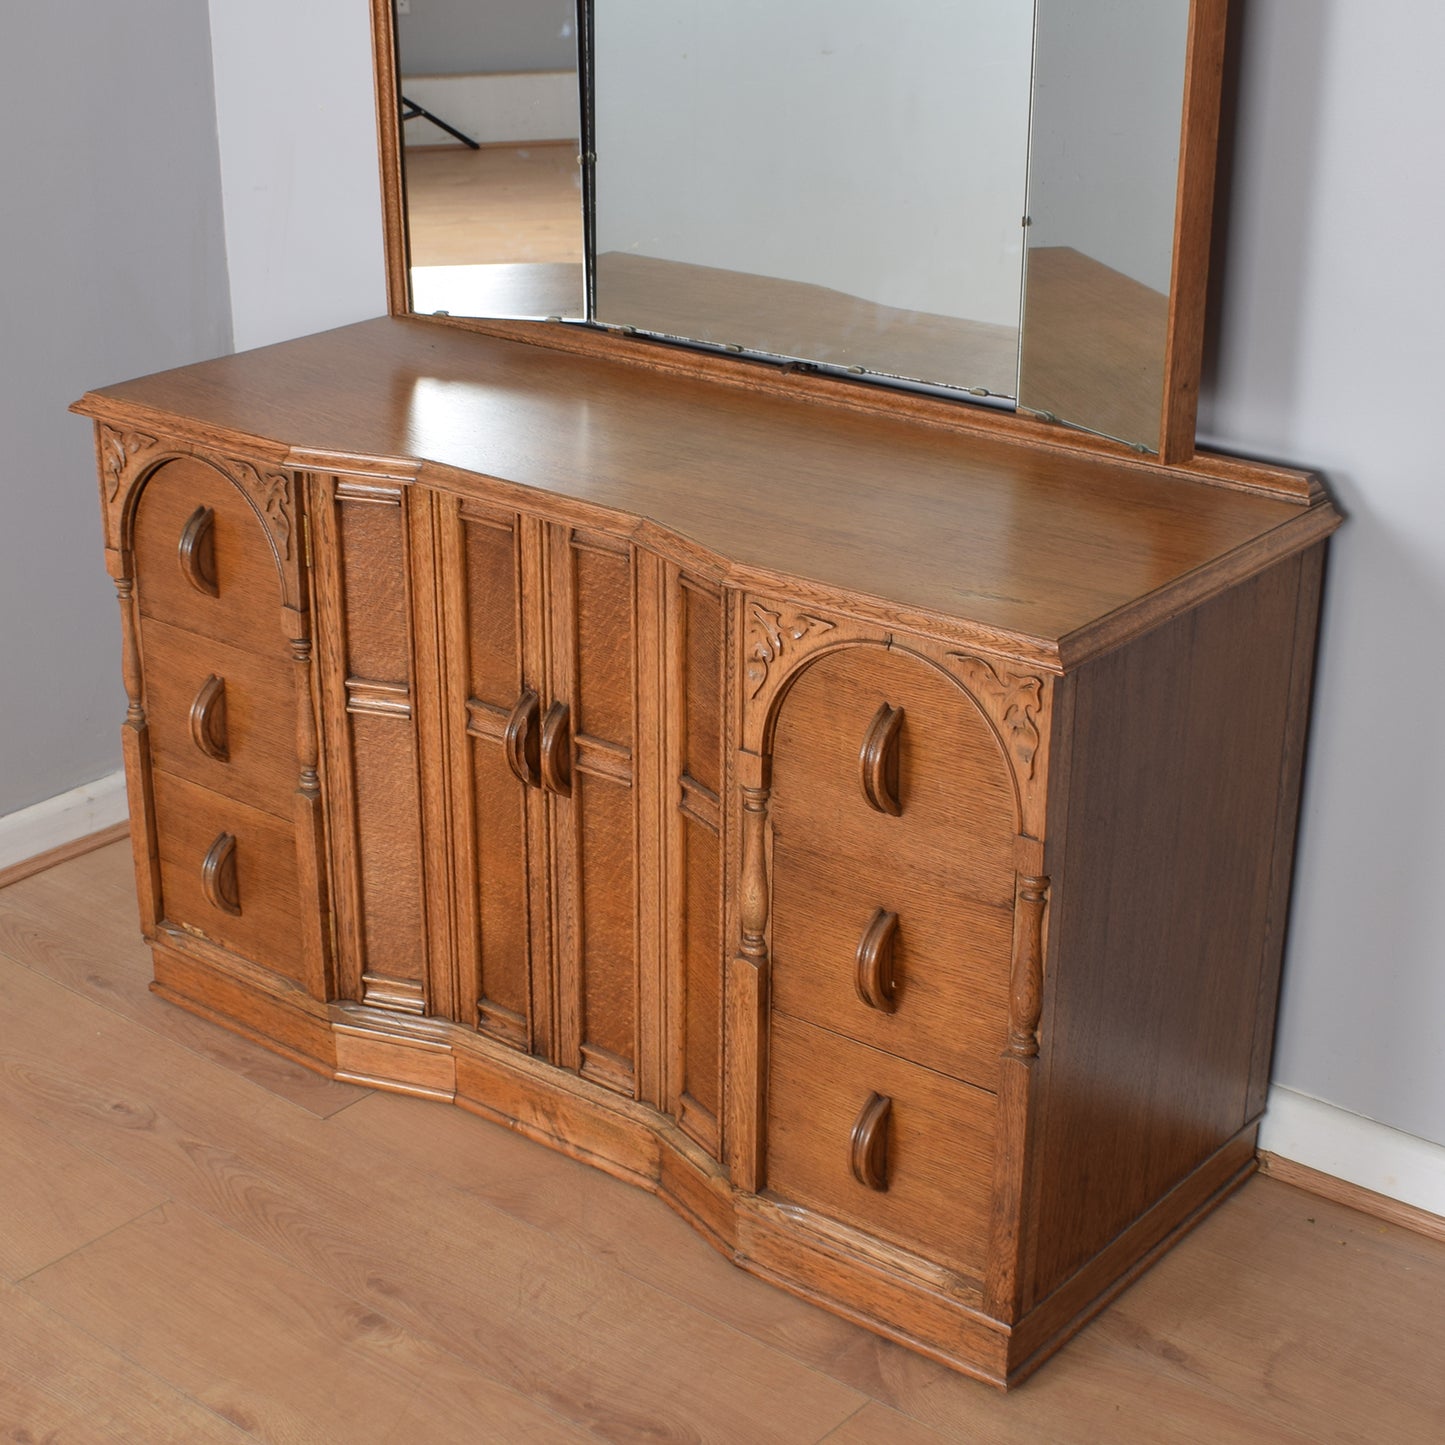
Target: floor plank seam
x=848 y=1419
x=20 y=1280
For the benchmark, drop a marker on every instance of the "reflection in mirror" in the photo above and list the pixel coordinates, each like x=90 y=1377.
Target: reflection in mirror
x=1108 y=105
x=490 y=129
x=835 y=181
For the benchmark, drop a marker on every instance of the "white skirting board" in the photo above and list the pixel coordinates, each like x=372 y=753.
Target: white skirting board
x=495 y=109
x=1334 y=1141
x=56 y=821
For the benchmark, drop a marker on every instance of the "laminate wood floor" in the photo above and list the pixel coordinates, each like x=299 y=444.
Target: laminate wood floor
x=202 y=1242
x=497 y=204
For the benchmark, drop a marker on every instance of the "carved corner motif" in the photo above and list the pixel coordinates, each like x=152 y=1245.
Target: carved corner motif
x=1013 y=700
x=118 y=450
x=770 y=634
x=272 y=493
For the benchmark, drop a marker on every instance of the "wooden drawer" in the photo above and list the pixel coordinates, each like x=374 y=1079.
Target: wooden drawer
x=955 y=829
x=203 y=560
x=937 y=992
x=221 y=717
x=251 y=904
x=937 y=1136
x=942 y=968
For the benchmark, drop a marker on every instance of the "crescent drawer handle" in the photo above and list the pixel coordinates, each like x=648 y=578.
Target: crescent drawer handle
x=197 y=552
x=208 y=719
x=520 y=741
x=218 y=875
x=878 y=760
x=874 y=978
x=868 y=1148
x=557 y=750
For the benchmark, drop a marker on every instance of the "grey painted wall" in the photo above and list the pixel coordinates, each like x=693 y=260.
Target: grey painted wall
x=1329 y=353
x=464 y=37
x=110 y=235
x=296 y=110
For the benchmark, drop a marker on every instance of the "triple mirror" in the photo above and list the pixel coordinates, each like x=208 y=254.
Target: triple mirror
x=994 y=198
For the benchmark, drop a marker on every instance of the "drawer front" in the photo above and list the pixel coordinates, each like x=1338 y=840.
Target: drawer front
x=229 y=872
x=221 y=717
x=202 y=558
x=942 y=765
x=930 y=1148
x=929 y=983
x=901 y=966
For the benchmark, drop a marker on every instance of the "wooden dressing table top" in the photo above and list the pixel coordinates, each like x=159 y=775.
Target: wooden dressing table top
x=1035 y=541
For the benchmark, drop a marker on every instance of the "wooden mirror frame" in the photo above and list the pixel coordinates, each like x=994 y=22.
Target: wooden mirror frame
x=1184 y=347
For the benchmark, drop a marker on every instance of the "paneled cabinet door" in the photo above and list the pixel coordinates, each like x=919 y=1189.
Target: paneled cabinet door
x=494 y=680
x=541 y=681
x=597 y=767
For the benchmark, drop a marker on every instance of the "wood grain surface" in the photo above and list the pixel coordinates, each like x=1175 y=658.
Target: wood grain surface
x=1061 y=549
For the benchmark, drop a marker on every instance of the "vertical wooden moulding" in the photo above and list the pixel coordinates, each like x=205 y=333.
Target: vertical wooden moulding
x=674 y=985
x=452 y=622
x=747 y=996
x=1005 y=1284
x=649 y=792
x=536 y=667
x=696 y=830
x=559 y=589
x=135 y=750
x=427 y=606
x=310 y=823
x=1198 y=152
x=389 y=150
x=330 y=652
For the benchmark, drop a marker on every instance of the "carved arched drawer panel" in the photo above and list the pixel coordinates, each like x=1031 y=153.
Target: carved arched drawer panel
x=943 y=865
x=893 y=826
x=203 y=558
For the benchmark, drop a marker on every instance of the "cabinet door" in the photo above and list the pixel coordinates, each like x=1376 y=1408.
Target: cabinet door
x=493 y=687
x=592 y=770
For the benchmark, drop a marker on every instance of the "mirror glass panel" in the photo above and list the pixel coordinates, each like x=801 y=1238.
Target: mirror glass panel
x=834 y=181
x=491 y=119
x=974 y=195
x=1107 y=111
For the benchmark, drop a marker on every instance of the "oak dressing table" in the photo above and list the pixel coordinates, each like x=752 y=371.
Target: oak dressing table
x=861 y=819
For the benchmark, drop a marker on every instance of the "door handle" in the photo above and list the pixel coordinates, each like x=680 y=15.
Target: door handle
x=557 y=750
x=208 y=719
x=873 y=977
x=218 y=875
x=520 y=741
x=878 y=760
x=868 y=1147
x=196 y=551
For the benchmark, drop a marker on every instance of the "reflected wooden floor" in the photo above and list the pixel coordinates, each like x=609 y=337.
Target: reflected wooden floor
x=501 y=203
x=202 y=1242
